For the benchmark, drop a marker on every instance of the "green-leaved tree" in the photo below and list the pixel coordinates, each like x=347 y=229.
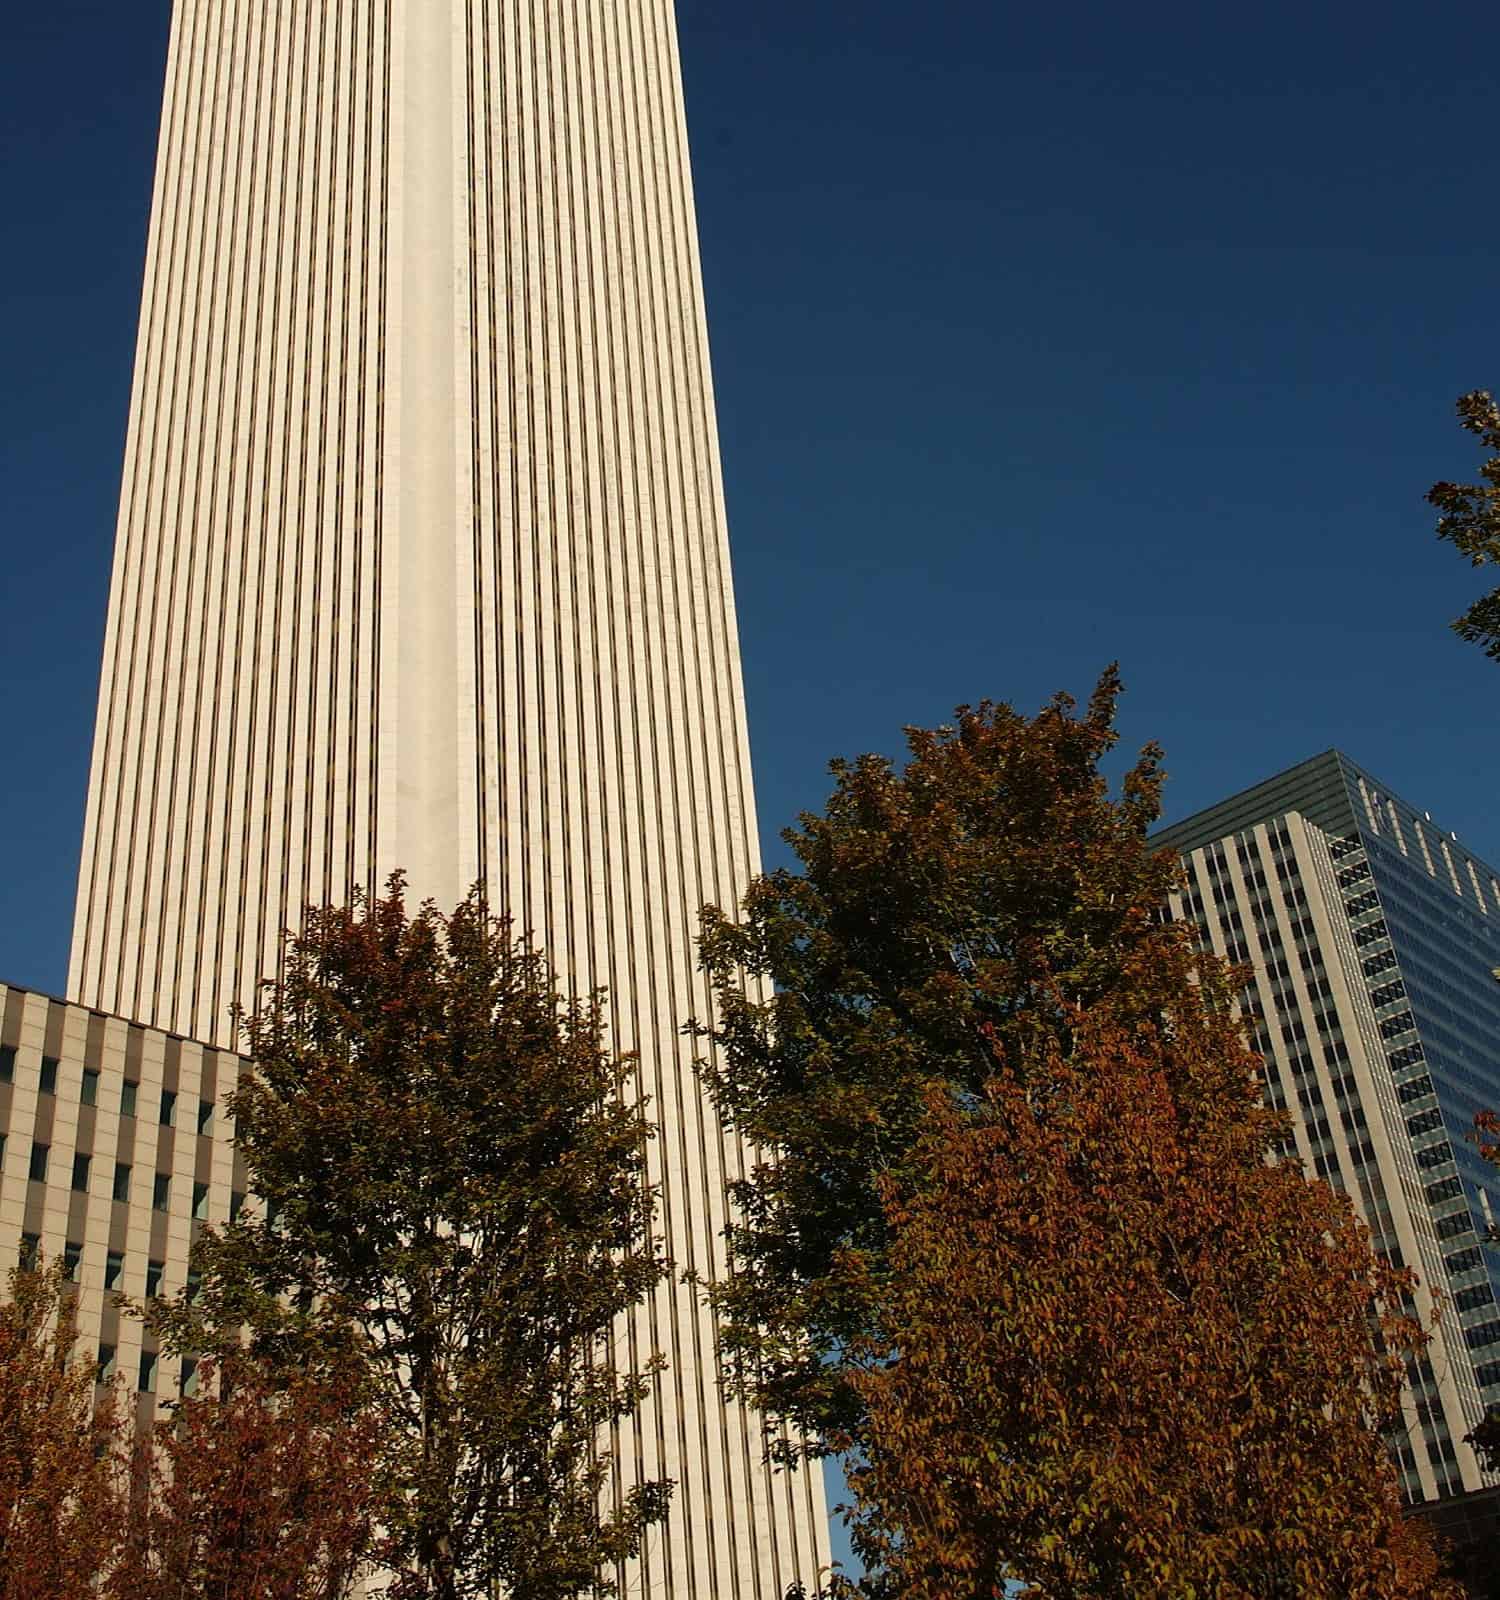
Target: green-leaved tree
x=452 y=1168
x=1470 y=518
x=936 y=913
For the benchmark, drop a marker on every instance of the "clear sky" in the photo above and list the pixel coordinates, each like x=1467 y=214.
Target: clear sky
x=1044 y=335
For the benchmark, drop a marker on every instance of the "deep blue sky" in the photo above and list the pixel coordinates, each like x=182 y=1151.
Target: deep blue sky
x=1043 y=336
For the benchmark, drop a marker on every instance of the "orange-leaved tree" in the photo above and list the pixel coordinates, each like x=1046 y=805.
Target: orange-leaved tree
x=1132 y=1355
x=258 y=1487
x=61 y=1482
x=974 y=936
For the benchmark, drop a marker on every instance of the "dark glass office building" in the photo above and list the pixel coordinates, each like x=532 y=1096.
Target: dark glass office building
x=1374 y=936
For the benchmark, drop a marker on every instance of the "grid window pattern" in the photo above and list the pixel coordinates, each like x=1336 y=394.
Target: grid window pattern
x=1391 y=938
x=92 y=1164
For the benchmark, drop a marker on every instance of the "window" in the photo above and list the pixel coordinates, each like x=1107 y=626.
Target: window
x=168 y=1106
x=106 y=1362
x=49 y=1075
x=200 y=1200
x=38 y=1170
x=121 y=1189
x=81 y=1165
x=127 y=1097
x=154 y=1271
x=189 y=1381
x=205 y=1116
x=90 y=1092
x=148 y=1371
x=72 y=1255
x=236 y=1205
x=194 y=1286
x=114 y=1268
x=161 y=1191
x=31 y=1249
x=7 y=1063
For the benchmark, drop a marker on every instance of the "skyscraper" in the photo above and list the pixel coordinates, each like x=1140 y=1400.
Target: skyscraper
x=1375 y=1006
x=422 y=563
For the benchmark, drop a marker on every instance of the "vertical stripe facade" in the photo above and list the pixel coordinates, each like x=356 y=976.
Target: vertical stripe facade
x=422 y=563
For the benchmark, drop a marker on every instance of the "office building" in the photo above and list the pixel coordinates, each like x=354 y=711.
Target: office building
x=422 y=563
x=114 y=1152
x=1375 y=1005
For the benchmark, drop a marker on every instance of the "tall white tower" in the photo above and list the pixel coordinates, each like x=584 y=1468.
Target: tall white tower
x=422 y=562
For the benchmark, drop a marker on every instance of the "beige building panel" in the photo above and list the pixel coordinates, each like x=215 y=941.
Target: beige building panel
x=125 y=1057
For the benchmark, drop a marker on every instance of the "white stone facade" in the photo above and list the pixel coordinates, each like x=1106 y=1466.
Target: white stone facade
x=422 y=562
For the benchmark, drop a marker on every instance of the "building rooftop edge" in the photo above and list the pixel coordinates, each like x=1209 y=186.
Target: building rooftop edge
x=1203 y=825
x=112 y=1016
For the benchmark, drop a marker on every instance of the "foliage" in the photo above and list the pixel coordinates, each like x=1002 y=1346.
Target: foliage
x=1017 y=1244
x=253 y=1490
x=939 y=916
x=1135 y=1355
x=454 y=1180
x=1470 y=518
x=61 y=1487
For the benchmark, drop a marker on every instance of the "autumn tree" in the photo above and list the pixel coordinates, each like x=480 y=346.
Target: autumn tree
x=452 y=1169
x=938 y=916
x=1470 y=518
x=254 y=1488
x=61 y=1484
x=1133 y=1355
x=973 y=1049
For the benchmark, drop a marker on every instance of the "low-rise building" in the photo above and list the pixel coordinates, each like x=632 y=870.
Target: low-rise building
x=114 y=1151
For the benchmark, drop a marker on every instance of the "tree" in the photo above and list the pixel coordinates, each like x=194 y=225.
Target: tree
x=61 y=1484
x=453 y=1174
x=1016 y=1163
x=1134 y=1355
x=936 y=914
x=1470 y=519
x=253 y=1490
